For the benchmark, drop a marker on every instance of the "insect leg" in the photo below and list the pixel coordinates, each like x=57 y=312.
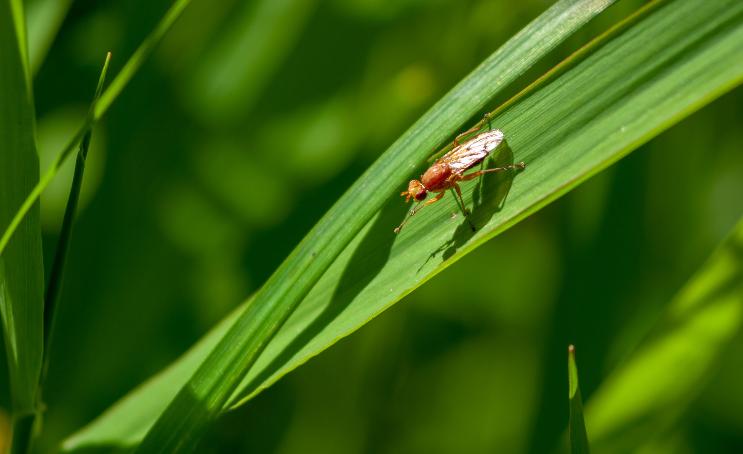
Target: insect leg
x=485 y=119
x=462 y=206
x=477 y=127
x=417 y=208
x=472 y=175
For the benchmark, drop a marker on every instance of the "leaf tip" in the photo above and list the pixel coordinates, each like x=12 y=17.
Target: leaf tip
x=572 y=372
x=102 y=77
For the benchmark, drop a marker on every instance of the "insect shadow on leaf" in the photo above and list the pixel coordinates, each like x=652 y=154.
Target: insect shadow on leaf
x=488 y=198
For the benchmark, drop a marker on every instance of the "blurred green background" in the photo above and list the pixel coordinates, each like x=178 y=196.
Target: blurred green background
x=250 y=121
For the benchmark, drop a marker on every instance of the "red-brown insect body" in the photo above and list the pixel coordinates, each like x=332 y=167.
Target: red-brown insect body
x=435 y=178
x=449 y=170
x=445 y=172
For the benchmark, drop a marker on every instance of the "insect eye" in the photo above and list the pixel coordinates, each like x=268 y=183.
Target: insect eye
x=421 y=195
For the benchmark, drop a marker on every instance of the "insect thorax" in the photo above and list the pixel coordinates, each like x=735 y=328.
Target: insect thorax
x=435 y=176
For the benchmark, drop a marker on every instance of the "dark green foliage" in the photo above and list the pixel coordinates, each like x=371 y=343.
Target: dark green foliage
x=254 y=118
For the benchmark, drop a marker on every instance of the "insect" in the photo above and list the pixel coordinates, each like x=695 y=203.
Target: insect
x=448 y=171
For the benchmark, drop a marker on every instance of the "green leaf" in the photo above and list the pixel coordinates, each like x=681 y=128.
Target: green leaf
x=21 y=267
x=56 y=274
x=649 y=393
x=577 y=427
x=663 y=63
x=96 y=113
x=201 y=401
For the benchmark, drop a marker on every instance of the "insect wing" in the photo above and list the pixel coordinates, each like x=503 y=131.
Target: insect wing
x=473 y=151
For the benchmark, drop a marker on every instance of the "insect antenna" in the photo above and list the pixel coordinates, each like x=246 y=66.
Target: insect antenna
x=411 y=213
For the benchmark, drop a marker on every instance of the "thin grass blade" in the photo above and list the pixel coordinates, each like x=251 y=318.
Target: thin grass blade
x=56 y=274
x=21 y=268
x=21 y=265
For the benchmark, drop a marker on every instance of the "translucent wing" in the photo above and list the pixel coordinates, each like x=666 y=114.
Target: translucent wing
x=473 y=151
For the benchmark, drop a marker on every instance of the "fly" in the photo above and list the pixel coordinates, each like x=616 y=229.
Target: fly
x=449 y=170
